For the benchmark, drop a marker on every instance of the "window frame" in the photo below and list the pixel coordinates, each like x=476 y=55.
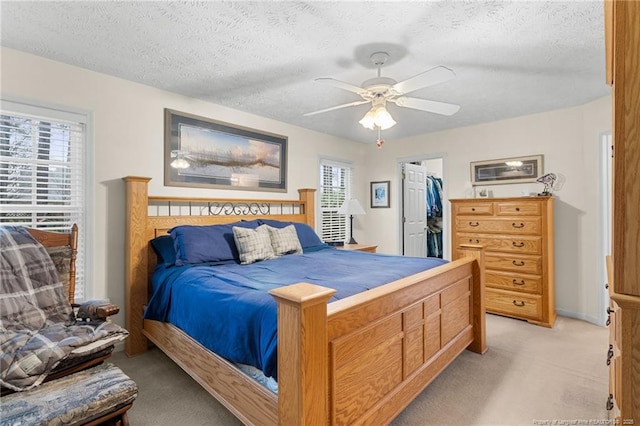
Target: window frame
x=348 y=194
x=16 y=105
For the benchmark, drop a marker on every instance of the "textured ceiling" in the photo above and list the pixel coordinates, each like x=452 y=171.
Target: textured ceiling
x=511 y=57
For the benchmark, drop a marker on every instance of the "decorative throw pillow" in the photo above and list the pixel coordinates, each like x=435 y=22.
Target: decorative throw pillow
x=306 y=234
x=284 y=240
x=212 y=243
x=253 y=244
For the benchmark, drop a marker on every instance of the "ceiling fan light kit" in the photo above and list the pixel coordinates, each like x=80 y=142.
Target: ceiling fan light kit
x=379 y=90
x=378 y=116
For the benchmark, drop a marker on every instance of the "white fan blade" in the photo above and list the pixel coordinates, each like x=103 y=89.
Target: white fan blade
x=426 y=105
x=428 y=78
x=342 y=85
x=336 y=107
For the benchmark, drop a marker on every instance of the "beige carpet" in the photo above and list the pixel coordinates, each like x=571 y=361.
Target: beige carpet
x=529 y=374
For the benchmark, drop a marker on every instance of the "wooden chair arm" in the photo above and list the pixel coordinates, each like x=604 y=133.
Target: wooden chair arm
x=96 y=310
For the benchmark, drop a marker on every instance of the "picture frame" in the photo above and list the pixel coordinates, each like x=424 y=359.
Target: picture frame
x=206 y=153
x=380 y=196
x=506 y=170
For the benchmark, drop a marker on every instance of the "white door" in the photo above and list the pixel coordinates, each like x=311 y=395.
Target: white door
x=415 y=210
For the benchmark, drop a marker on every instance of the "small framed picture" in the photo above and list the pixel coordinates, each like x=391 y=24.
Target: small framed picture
x=380 y=197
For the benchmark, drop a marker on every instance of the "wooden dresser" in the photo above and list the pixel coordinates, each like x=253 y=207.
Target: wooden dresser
x=517 y=234
x=622 y=31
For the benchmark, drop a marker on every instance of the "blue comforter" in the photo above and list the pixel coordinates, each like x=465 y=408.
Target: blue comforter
x=227 y=309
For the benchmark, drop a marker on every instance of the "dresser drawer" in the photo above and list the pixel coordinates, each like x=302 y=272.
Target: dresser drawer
x=519 y=263
x=514 y=282
x=475 y=208
x=514 y=226
x=516 y=244
x=518 y=208
x=516 y=304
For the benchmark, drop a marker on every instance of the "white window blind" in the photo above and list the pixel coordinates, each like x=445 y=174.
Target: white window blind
x=42 y=172
x=336 y=185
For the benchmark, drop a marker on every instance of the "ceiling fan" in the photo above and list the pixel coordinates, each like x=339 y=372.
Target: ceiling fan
x=380 y=90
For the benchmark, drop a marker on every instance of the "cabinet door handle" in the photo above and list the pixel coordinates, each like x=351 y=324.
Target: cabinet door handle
x=609 y=354
x=515 y=225
x=520 y=303
x=473 y=209
x=518 y=283
x=474 y=224
x=610 y=402
x=517 y=209
x=609 y=312
x=606 y=286
x=520 y=244
x=521 y=263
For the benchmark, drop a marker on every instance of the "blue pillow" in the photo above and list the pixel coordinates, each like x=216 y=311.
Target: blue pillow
x=213 y=243
x=164 y=248
x=306 y=234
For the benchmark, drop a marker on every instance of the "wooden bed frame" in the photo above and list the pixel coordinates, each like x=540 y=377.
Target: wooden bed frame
x=359 y=360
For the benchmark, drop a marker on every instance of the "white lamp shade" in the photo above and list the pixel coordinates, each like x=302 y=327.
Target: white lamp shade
x=377 y=116
x=383 y=118
x=368 y=121
x=351 y=207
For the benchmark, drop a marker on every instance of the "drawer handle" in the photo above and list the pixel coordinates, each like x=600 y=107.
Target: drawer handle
x=518 y=283
x=521 y=303
x=517 y=209
x=610 y=402
x=471 y=241
x=473 y=209
x=609 y=354
x=474 y=224
x=515 y=225
x=520 y=244
x=521 y=263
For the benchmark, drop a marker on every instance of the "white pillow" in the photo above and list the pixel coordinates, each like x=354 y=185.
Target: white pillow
x=253 y=244
x=284 y=240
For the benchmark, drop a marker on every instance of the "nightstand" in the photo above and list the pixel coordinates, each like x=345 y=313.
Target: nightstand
x=370 y=248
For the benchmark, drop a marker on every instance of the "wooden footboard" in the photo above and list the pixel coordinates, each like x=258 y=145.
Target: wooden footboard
x=382 y=347
x=360 y=360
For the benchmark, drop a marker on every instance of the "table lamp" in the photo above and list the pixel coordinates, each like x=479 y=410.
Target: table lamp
x=351 y=207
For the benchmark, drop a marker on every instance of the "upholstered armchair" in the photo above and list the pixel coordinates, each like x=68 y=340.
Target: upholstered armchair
x=68 y=384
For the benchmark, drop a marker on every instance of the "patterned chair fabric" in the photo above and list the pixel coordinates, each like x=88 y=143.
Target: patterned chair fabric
x=72 y=400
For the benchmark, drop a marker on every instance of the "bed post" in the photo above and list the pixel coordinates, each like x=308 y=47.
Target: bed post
x=136 y=259
x=302 y=354
x=308 y=196
x=479 y=344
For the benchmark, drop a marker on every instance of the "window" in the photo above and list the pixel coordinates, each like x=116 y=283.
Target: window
x=336 y=182
x=42 y=182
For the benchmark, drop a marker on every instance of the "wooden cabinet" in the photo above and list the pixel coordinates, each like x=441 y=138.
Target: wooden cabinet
x=517 y=234
x=622 y=31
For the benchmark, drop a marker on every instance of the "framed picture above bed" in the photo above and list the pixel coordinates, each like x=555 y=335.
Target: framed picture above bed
x=506 y=170
x=201 y=152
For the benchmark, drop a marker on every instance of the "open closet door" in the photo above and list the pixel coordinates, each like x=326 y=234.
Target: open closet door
x=414 y=189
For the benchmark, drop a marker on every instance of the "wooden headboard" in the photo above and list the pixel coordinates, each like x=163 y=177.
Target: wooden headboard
x=148 y=217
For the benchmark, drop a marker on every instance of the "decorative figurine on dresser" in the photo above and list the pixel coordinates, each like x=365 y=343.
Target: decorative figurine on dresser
x=517 y=234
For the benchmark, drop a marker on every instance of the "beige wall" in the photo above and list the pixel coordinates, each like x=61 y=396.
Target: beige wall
x=567 y=138
x=128 y=139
